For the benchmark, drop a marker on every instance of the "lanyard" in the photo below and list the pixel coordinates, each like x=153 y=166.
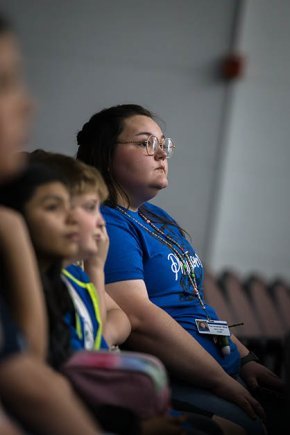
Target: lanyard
x=175 y=247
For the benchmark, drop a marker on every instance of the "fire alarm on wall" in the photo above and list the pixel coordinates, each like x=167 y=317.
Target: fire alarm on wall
x=233 y=66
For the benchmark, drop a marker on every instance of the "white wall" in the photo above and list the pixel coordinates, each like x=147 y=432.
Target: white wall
x=252 y=226
x=85 y=55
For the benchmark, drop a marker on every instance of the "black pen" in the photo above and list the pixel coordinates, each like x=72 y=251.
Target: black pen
x=236 y=324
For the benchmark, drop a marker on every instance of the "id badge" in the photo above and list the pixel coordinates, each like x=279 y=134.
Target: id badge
x=212 y=327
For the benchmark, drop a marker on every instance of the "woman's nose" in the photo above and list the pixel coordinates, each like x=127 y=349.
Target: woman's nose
x=160 y=153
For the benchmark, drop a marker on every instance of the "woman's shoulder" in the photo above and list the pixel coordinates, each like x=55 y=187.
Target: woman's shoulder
x=110 y=213
x=114 y=217
x=158 y=211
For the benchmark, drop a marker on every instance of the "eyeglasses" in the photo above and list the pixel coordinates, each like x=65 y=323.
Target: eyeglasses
x=152 y=144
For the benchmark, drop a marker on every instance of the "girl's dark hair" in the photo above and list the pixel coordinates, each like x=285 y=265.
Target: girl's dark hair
x=79 y=177
x=98 y=139
x=15 y=195
x=59 y=305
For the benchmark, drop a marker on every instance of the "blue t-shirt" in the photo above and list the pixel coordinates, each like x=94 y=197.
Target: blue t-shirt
x=136 y=254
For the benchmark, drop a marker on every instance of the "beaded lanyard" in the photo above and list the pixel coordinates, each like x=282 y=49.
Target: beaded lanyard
x=173 y=245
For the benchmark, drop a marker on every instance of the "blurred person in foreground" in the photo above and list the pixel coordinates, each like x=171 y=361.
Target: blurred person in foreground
x=39 y=400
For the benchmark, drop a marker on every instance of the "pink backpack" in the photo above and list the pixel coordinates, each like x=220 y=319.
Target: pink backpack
x=131 y=380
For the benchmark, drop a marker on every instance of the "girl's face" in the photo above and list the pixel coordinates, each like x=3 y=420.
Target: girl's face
x=86 y=211
x=15 y=108
x=140 y=175
x=53 y=230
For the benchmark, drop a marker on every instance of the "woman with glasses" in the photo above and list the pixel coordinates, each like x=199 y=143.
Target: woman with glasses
x=155 y=275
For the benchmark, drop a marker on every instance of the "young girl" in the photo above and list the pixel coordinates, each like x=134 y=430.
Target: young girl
x=42 y=198
x=99 y=315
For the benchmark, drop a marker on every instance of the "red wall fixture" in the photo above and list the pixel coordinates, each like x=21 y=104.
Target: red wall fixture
x=233 y=66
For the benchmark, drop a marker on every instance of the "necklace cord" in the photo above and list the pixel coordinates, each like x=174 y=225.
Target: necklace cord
x=175 y=247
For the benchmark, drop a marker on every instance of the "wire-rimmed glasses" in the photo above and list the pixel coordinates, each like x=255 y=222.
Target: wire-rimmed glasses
x=152 y=145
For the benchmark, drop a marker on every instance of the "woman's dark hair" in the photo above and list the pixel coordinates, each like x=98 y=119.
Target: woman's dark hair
x=98 y=139
x=15 y=195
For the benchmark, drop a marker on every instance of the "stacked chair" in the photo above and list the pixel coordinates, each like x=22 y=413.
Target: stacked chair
x=269 y=318
x=280 y=292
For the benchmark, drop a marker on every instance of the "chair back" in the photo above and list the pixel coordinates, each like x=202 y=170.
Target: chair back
x=280 y=293
x=269 y=318
x=241 y=306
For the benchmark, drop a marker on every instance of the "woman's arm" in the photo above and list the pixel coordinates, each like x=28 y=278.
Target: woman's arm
x=243 y=350
x=154 y=331
x=24 y=291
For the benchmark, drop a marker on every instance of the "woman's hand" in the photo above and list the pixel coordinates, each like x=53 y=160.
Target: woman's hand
x=258 y=376
x=232 y=390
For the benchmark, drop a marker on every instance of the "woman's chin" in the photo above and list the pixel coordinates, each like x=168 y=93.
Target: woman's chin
x=164 y=184
x=160 y=185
